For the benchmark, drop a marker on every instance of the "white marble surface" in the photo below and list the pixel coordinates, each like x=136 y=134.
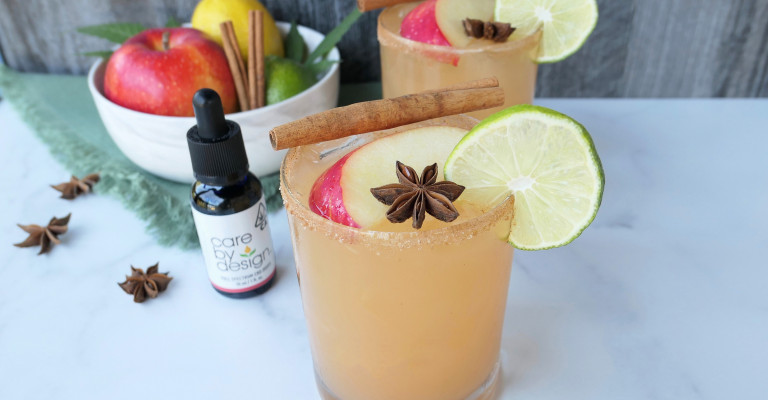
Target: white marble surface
x=665 y=296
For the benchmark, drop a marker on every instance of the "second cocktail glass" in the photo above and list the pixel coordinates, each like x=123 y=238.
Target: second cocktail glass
x=398 y=315
x=408 y=66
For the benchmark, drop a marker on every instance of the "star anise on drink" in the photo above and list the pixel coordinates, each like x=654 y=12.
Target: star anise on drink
x=44 y=236
x=496 y=31
x=75 y=187
x=414 y=197
x=142 y=285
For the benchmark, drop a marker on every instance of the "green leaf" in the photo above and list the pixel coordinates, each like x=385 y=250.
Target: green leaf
x=319 y=68
x=294 y=44
x=333 y=37
x=103 y=54
x=172 y=22
x=115 y=33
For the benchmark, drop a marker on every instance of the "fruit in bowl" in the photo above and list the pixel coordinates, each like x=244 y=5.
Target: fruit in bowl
x=155 y=138
x=159 y=70
x=157 y=143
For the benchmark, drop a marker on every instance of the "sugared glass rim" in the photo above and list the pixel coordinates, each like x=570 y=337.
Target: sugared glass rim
x=453 y=233
x=389 y=37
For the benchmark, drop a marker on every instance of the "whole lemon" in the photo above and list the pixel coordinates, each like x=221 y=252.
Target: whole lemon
x=209 y=14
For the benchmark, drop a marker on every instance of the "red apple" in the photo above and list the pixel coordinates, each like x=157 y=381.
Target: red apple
x=145 y=74
x=343 y=192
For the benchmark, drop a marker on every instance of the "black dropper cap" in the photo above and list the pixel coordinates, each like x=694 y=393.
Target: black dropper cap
x=215 y=144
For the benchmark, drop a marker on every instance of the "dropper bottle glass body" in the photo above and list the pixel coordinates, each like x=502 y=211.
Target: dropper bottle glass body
x=228 y=200
x=228 y=205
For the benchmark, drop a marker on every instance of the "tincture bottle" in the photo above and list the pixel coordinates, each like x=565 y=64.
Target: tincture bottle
x=228 y=204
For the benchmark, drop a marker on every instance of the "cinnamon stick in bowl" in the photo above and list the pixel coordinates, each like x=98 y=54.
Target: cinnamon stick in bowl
x=256 y=59
x=383 y=114
x=236 y=65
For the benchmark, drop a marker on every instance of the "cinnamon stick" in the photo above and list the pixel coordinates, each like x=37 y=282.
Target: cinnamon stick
x=377 y=115
x=235 y=60
x=256 y=53
x=368 y=5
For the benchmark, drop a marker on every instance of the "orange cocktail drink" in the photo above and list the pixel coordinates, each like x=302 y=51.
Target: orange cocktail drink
x=395 y=313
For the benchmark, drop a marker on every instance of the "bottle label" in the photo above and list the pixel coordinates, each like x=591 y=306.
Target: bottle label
x=237 y=248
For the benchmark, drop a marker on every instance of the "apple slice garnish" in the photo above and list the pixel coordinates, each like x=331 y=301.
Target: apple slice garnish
x=420 y=25
x=449 y=15
x=343 y=192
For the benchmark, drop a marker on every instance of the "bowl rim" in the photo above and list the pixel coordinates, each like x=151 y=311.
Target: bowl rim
x=332 y=55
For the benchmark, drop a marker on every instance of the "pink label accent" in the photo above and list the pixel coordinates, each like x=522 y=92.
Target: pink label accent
x=256 y=286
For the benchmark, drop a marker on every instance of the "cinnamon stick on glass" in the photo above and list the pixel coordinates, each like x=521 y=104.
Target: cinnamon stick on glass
x=377 y=115
x=236 y=65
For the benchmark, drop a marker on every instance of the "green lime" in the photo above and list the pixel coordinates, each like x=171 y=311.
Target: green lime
x=285 y=78
x=565 y=24
x=546 y=159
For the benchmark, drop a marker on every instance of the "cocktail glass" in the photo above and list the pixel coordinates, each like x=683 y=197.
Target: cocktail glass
x=398 y=315
x=408 y=66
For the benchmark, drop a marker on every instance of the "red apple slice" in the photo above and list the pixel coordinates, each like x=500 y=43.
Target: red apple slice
x=449 y=15
x=325 y=198
x=420 y=25
x=343 y=192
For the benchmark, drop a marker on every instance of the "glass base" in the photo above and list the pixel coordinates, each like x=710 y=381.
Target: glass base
x=486 y=391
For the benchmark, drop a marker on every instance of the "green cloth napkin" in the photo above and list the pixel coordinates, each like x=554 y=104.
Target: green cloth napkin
x=59 y=108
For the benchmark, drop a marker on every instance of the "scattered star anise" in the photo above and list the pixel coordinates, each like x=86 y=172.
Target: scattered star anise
x=45 y=237
x=141 y=285
x=496 y=31
x=413 y=197
x=75 y=187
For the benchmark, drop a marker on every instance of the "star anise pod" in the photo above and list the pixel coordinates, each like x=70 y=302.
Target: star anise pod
x=413 y=197
x=75 y=187
x=46 y=236
x=496 y=31
x=141 y=285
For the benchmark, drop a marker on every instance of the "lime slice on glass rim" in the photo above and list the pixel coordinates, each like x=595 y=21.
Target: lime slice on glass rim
x=546 y=159
x=565 y=24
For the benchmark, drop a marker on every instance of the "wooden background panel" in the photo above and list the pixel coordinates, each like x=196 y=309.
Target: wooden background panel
x=640 y=48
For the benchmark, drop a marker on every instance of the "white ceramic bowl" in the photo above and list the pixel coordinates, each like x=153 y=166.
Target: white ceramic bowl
x=158 y=143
